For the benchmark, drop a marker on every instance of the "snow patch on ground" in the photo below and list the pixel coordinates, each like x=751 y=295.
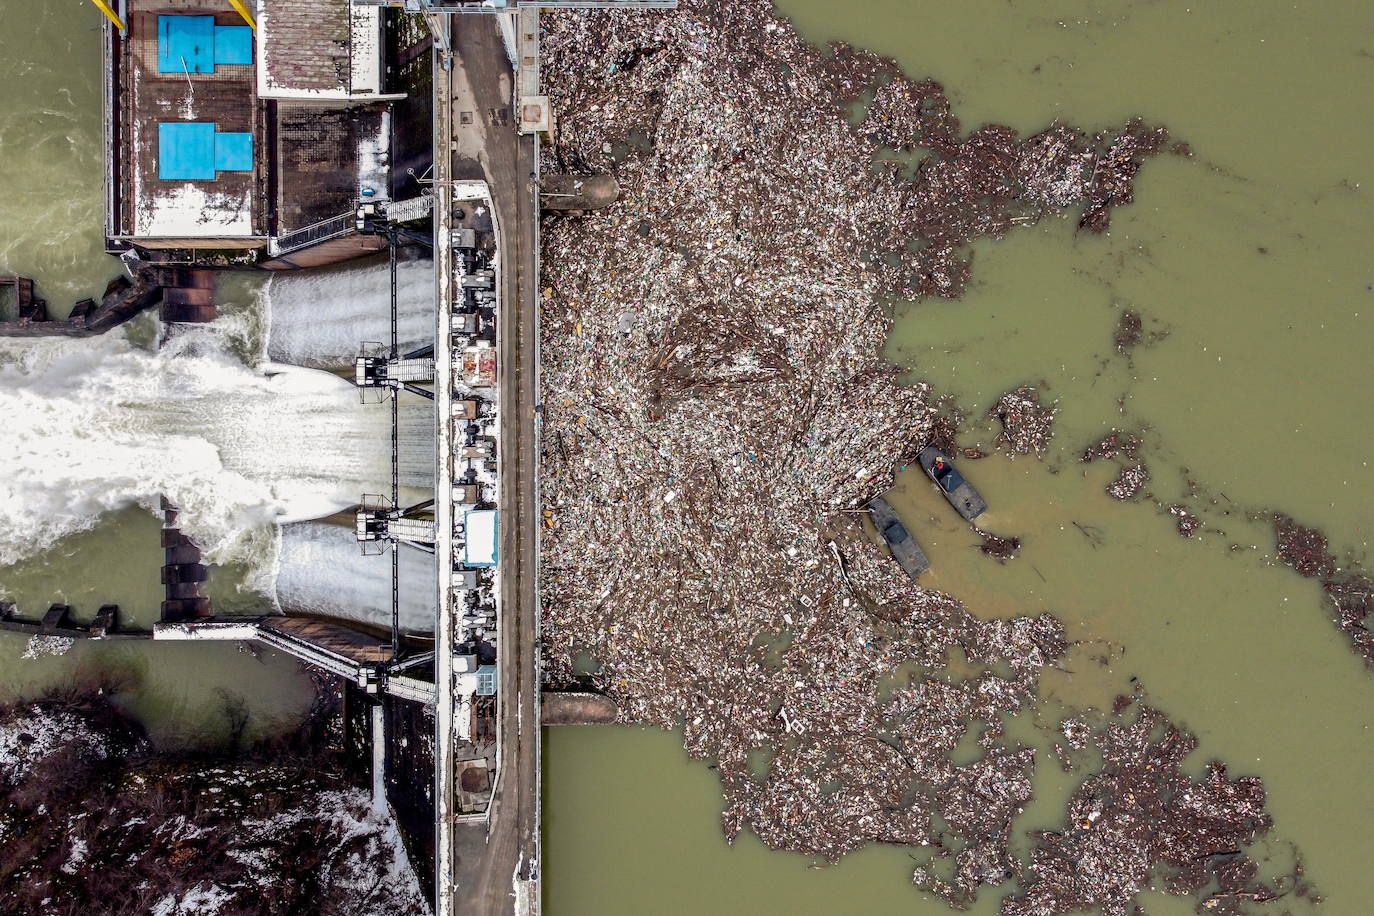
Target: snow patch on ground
x=201 y=900
x=28 y=738
x=378 y=861
x=76 y=856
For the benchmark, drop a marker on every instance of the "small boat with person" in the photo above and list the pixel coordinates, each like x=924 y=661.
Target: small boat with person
x=960 y=493
x=905 y=550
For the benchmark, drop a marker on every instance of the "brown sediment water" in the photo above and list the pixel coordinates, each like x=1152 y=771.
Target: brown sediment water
x=1243 y=265
x=727 y=460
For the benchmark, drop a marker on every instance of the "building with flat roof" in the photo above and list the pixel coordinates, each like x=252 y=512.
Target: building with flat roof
x=257 y=140
x=480 y=537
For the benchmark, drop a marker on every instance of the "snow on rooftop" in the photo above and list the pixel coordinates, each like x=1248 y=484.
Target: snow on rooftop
x=374 y=159
x=479 y=545
x=365 y=27
x=192 y=209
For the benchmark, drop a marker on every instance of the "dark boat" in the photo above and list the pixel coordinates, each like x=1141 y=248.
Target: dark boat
x=905 y=550
x=959 y=492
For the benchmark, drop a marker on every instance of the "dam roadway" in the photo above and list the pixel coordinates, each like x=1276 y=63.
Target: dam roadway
x=491 y=865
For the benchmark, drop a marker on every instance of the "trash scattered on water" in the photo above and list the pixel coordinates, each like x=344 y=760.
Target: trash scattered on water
x=756 y=245
x=39 y=646
x=1027 y=424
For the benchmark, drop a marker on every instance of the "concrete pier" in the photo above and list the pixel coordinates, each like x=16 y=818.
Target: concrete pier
x=182 y=571
x=185 y=293
x=576 y=708
x=57 y=621
x=188 y=295
x=491 y=864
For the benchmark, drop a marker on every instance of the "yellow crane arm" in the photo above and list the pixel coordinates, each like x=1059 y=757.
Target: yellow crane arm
x=242 y=11
x=109 y=13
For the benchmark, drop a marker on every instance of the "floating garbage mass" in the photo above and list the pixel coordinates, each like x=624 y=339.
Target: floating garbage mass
x=715 y=400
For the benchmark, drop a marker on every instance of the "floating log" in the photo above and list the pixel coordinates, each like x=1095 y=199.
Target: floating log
x=574 y=192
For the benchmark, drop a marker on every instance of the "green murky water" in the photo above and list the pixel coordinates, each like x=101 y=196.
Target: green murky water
x=51 y=229
x=1251 y=256
x=52 y=212
x=178 y=690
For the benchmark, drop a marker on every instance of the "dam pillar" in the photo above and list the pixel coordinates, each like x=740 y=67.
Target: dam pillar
x=188 y=295
x=182 y=572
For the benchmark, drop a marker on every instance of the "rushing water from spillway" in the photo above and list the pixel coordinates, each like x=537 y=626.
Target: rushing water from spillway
x=321 y=572
x=321 y=317
x=97 y=430
x=96 y=425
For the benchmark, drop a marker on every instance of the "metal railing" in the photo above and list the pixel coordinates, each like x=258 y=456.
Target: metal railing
x=323 y=231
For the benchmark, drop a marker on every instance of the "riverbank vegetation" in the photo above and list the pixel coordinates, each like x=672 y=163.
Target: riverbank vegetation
x=94 y=819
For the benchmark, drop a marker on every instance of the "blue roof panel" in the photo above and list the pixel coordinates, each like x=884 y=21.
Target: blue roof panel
x=186 y=150
x=234 y=152
x=186 y=44
x=233 y=44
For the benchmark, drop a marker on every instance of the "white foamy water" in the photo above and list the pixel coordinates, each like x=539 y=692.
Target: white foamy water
x=92 y=425
x=321 y=571
x=320 y=317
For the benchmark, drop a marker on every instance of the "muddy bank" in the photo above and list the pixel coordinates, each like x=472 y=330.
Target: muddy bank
x=92 y=820
x=716 y=400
